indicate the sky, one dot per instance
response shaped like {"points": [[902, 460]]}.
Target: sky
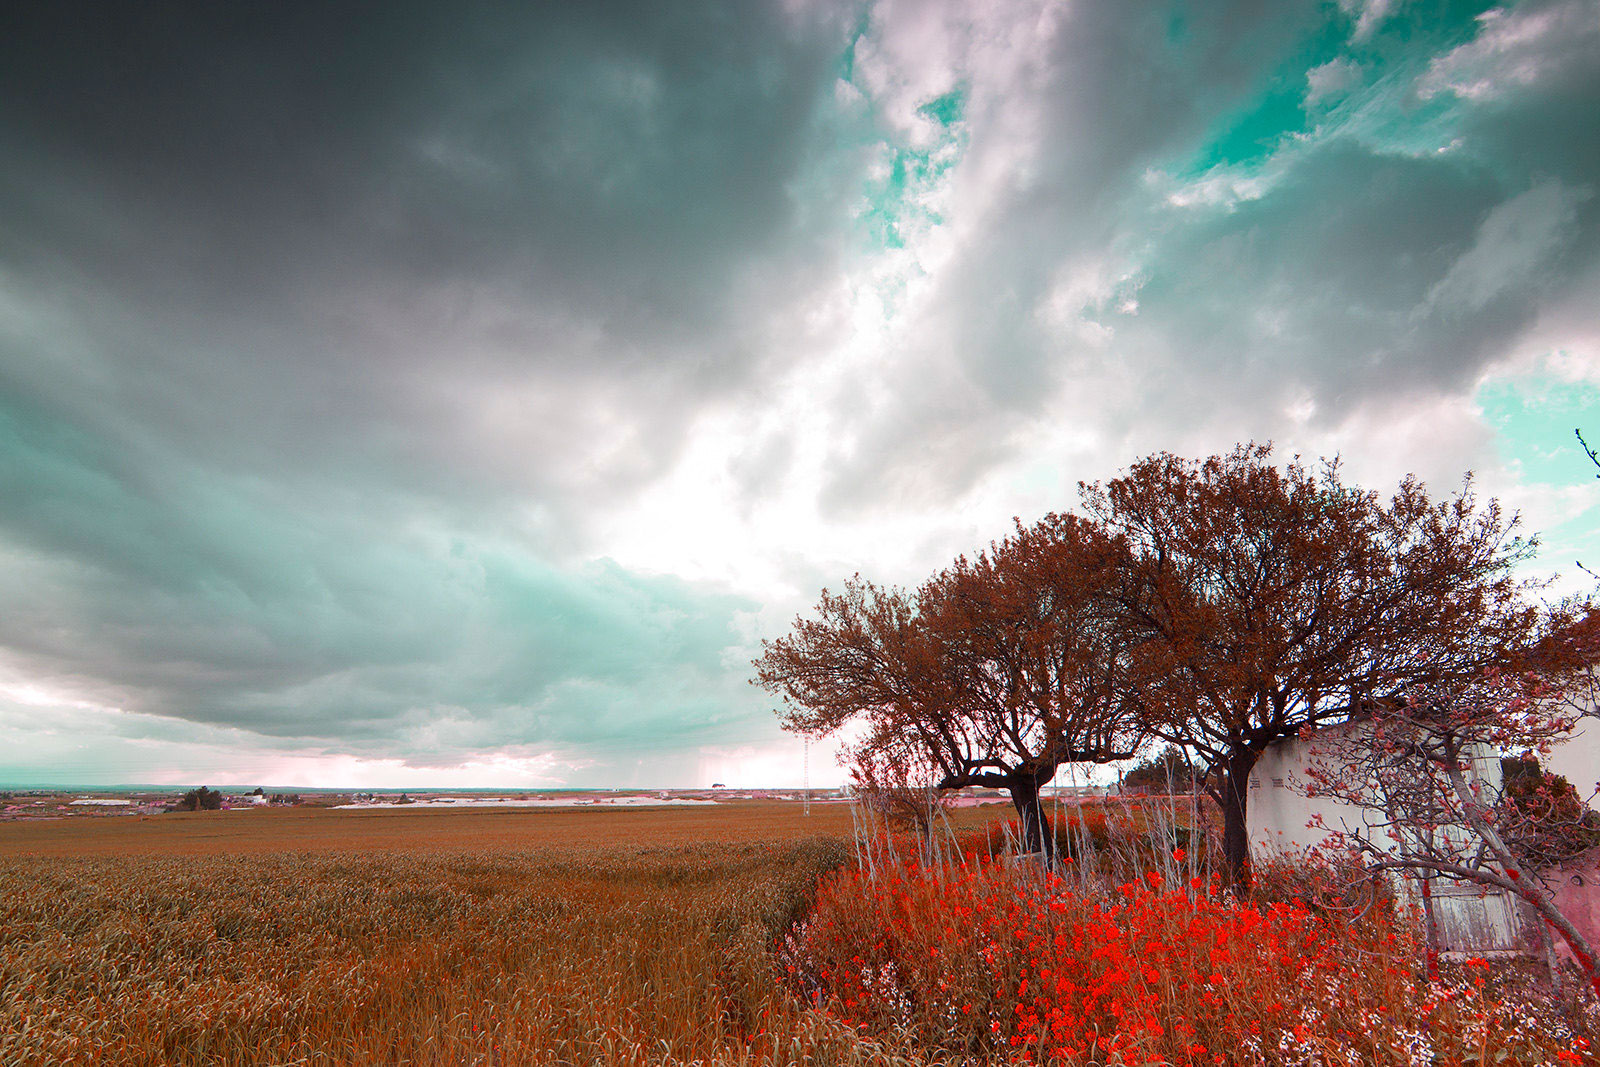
{"points": [[458, 394]]}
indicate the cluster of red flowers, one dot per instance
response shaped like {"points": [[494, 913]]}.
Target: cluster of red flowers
{"points": [[1004, 965]]}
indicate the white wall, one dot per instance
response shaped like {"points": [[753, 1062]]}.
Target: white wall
{"points": [[1467, 917], [1279, 812], [1577, 759]]}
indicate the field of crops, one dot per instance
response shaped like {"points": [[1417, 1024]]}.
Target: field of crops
{"points": [[381, 938], [709, 936]]}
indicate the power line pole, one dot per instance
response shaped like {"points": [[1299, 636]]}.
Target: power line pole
{"points": [[806, 742]]}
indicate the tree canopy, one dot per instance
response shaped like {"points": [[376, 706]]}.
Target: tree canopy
{"points": [[1275, 599], [994, 672], [1218, 605]]}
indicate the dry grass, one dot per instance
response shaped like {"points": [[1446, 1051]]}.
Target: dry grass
{"points": [[667, 936], [633, 956], [321, 937]]}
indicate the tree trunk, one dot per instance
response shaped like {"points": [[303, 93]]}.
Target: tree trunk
{"points": [[1233, 795], [1430, 929], [1473, 810], [1030, 815], [1547, 943]]}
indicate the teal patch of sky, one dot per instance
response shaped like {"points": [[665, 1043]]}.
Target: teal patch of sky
{"points": [[847, 59], [946, 110], [1274, 111], [1533, 417], [893, 210]]}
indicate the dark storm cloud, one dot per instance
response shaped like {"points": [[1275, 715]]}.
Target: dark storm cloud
{"points": [[372, 217], [274, 146], [338, 343], [324, 328], [1369, 270], [161, 587]]}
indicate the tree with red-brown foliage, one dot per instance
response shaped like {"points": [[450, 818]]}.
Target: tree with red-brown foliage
{"points": [[1273, 599], [995, 672]]}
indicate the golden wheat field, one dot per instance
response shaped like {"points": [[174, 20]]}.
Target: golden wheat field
{"points": [[387, 937]]}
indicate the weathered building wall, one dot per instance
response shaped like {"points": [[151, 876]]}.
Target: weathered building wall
{"points": [[1280, 815], [1283, 821], [1575, 886], [1577, 759]]}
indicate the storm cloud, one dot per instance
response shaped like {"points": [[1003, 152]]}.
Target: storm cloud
{"points": [[427, 384]]}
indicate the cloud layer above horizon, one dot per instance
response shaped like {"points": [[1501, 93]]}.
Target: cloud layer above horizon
{"points": [[396, 394]]}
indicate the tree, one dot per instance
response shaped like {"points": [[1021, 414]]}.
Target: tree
{"points": [[1163, 773], [1415, 769], [1540, 815], [1594, 458], [201, 799], [899, 787], [1275, 599], [995, 672]]}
